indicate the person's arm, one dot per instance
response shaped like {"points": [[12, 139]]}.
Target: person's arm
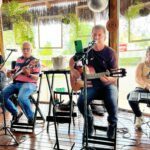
{"points": [[10, 73], [114, 65], [75, 76], [34, 76], [73, 72], [3, 69], [140, 79], [32, 73]]}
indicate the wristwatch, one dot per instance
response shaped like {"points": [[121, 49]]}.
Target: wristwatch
{"points": [[29, 76]]}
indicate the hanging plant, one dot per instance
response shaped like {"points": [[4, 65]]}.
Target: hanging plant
{"points": [[138, 9], [13, 14], [133, 11], [73, 20]]}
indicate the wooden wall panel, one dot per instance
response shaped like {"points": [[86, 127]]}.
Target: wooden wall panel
{"points": [[1, 34]]}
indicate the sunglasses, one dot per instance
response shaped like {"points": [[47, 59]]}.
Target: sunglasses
{"points": [[26, 49]]}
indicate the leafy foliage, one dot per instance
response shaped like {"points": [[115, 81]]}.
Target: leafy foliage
{"points": [[14, 12], [133, 10], [77, 29]]}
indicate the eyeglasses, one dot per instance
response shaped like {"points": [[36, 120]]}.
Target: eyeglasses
{"points": [[26, 49]]}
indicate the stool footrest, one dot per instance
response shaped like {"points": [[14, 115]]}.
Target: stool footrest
{"points": [[39, 118], [59, 119], [101, 138], [100, 128], [60, 113], [98, 148], [101, 142], [22, 126]]}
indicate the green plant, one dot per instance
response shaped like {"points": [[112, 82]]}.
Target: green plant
{"points": [[46, 52], [133, 11], [73, 20], [14, 12]]}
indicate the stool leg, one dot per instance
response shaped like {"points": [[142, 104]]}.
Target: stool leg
{"points": [[38, 109]]}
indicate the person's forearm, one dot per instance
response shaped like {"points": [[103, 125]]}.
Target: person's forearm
{"points": [[141, 81], [34, 76], [112, 80], [71, 64]]}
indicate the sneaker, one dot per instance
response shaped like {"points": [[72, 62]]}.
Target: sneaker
{"points": [[31, 121], [65, 106], [97, 110], [16, 118], [139, 121], [111, 131]]}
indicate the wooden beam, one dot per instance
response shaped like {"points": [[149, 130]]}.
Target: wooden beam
{"points": [[113, 24], [1, 34]]}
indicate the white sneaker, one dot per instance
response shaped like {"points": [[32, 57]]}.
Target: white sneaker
{"points": [[139, 121]]}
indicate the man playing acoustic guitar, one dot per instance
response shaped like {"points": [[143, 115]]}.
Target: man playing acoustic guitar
{"points": [[24, 84], [101, 58]]}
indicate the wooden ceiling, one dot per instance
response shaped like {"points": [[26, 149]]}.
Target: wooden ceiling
{"points": [[41, 1], [124, 4]]}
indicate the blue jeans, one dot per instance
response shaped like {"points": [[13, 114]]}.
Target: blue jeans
{"points": [[24, 90], [107, 93]]}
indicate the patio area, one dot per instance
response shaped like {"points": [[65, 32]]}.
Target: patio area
{"points": [[127, 136]]}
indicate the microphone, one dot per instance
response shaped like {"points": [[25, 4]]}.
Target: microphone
{"points": [[92, 42], [13, 50]]}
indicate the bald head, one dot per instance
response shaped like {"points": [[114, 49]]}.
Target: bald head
{"points": [[26, 49], [26, 43]]}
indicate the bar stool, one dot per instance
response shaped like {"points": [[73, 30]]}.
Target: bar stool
{"points": [[26, 126], [101, 142], [144, 98]]}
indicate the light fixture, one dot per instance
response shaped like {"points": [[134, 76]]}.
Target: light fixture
{"points": [[97, 5]]}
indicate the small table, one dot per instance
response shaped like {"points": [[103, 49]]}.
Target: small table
{"points": [[50, 86]]}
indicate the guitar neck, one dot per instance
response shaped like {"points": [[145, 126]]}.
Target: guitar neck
{"points": [[96, 75], [19, 72], [16, 74]]}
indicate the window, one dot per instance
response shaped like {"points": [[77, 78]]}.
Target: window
{"points": [[50, 32]]}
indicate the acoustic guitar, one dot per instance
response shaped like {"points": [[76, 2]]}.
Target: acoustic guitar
{"points": [[32, 64], [78, 83]]}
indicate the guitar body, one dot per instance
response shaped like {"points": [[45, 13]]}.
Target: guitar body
{"points": [[76, 82]]}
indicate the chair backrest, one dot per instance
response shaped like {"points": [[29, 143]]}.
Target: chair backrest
{"points": [[39, 82], [13, 63]]}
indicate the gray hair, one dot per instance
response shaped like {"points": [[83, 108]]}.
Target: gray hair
{"points": [[98, 27]]}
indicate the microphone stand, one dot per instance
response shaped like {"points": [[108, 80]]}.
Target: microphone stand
{"points": [[7, 129], [84, 60], [5, 60]]}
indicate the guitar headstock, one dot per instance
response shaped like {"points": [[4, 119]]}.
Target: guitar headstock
{"points": [[121, 72]]}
